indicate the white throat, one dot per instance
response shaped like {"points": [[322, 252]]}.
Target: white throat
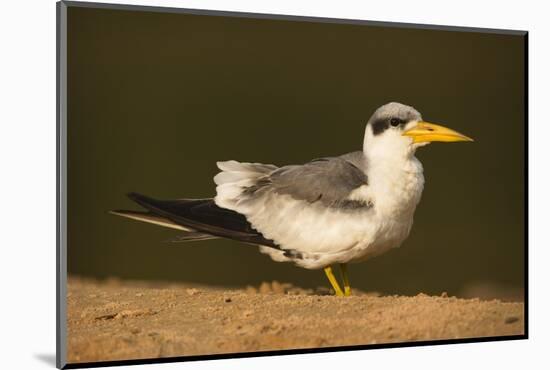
{"points": [[395, 175]]}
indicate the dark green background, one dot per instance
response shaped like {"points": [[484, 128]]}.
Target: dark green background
{"points": [[155, 99]]}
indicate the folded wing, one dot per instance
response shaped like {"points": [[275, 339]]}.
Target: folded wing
{"points": [[308, 208]]}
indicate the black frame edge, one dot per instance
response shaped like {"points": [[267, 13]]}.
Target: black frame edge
{"points": [[225, 13], [526, 185], [290, 352]]}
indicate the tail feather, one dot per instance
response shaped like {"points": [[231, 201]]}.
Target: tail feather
{"points": [[191, 236], [200, 218], [149, 217]]}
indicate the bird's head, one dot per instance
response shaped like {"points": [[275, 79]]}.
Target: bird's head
{"points": [[397, 129]]}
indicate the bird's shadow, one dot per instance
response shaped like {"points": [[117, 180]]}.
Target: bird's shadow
{"points": [[47, 358]]}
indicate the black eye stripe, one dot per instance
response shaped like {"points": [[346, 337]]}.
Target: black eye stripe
{"points": [[379, 126], [382, 124]]}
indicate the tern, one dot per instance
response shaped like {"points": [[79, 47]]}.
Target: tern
{"points": [[329, 211]]}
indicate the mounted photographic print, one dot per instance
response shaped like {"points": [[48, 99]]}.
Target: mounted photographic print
{"points": [[234, 184]]}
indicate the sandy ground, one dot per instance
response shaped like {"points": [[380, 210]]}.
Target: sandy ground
{"points": [[117, 320]]}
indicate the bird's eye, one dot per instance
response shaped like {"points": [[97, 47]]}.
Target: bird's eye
{"points": [[395, 122]]}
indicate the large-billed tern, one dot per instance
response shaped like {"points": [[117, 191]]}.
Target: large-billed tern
{"points": [[328, 211]]}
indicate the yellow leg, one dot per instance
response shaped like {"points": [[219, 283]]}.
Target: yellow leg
{"points": [[347, 286], [333, 282]]}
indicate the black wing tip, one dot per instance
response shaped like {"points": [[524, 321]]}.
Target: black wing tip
{"points": [[136, 197], [142, 200]]}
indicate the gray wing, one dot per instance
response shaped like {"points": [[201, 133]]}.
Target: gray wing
{"points": [[326, 180], [287, 205]]}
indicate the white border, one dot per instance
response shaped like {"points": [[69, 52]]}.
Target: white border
{"points": [[27, 155]]}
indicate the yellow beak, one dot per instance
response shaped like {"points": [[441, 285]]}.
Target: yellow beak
{"points": [[427, 132]]}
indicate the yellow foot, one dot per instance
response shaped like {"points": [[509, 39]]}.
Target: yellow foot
{"points": [[347, 286], [333, 282]]}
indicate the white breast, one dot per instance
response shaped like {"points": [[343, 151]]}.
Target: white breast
{"points": [[395, 192]]}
